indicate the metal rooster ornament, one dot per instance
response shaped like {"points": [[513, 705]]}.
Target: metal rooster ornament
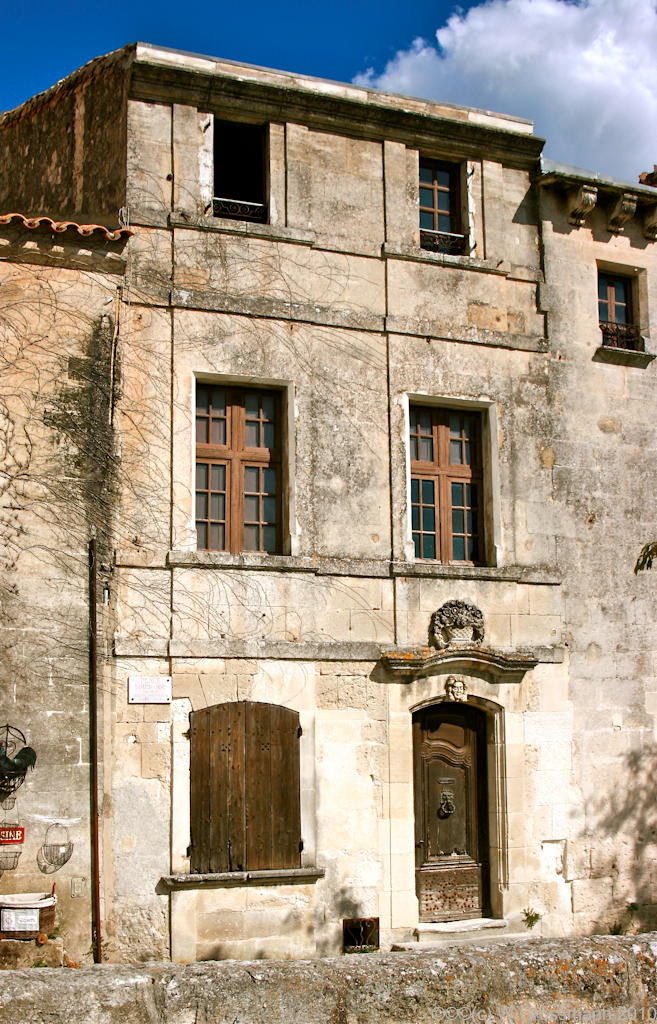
{"points": [[13, 767]]}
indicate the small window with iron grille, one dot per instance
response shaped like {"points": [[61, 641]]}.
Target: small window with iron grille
{"points": [[446, 484], [238, 469], [441, 217], [617, 312], [239, 171]]}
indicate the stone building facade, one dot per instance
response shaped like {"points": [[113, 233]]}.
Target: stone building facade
{"points": [[330, 437]]}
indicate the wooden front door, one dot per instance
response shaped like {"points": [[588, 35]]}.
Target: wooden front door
{"points": [[451, 813]]}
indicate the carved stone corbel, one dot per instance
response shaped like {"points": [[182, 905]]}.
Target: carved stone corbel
{"points": [[624, 209], [580, 203], [650, 223]]}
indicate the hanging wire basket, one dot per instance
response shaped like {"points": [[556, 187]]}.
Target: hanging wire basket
{"points": [[8, 803], [57, 847], [15, 758], [9, 859]]}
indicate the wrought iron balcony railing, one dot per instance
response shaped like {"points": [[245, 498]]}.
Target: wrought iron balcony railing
{"points": [[444, 241], [626, 336], [239, 209]]}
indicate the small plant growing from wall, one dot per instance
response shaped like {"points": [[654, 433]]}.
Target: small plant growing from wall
{"points": [[627, 923], [530, 917]]}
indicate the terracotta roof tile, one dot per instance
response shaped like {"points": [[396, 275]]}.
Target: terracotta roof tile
{"points": [[60, 226]]}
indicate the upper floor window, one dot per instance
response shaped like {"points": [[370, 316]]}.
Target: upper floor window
{"points": [[446, 484], [617, 312], [441, 217], [238, 469], [239, 171]]}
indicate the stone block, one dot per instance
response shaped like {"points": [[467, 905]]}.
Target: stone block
{"points": [[545, 600], [15, 954], [157, 713], [498, 630], [404, 912], [527, 630], [183, 926], [402, 871], [155, 761], [553, 754], [210, 901], [220, 926], [548, 727], [592, 898]]}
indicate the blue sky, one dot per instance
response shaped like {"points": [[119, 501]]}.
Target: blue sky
{"points": [[585, 71], [50, 38]]}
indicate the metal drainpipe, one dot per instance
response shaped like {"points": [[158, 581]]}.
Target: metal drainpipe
{"points": [[93, 749]]}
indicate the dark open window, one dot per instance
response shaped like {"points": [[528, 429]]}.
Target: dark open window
{"points": [[239, 171], [441, 219], [446, 484], [238, 469], [617, 312], [245, 802]]}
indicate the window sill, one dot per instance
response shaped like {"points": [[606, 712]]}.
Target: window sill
{"points": [[510, 573], [223, 879], [415, 253], [278, 563], [371, 568], [228, 226], [622, 356]]}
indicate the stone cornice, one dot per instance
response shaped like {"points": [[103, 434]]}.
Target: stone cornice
{"points": [[582, 193], [503, 667], [365, 117]]}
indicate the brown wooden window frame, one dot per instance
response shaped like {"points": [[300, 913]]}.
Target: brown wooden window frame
{"points": [[440, 183], [618, 319], [227, 492], [437, 482]]}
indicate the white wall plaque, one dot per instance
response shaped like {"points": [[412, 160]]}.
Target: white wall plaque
{"points": [[149, 689], [19, 920]]}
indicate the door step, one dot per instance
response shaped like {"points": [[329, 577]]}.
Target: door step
{"points": [[476, 930]]}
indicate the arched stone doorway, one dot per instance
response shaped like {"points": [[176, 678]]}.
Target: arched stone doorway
{"points": [[452, 868]]}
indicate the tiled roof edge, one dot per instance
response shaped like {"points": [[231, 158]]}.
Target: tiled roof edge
{"points": [[59, 226]]}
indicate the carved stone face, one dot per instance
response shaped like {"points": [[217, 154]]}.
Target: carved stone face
{"points": [[455, 688]]}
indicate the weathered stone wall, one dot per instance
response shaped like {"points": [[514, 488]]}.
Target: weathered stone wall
{"points": [[63, 154], [601, 463], [57, 488], [604, 979]]}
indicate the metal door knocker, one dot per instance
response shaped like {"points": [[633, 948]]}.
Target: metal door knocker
{"points": [[447, 805]]}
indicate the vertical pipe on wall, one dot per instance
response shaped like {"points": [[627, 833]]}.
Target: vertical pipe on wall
{"points": [[93, 749]]}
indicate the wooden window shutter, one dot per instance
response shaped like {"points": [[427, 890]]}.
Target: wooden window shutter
{"points": [[245, 809]]}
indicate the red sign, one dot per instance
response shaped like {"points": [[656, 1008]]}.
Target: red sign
{"points": [[11, 834]]}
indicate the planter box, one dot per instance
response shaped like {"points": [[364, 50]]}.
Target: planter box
{"points": [[26, 915]]}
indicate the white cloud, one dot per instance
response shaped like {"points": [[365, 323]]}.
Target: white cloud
{"points": [[585, 71]]}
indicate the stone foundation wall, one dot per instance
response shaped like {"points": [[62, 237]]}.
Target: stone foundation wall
{"points": [[610, 979]]}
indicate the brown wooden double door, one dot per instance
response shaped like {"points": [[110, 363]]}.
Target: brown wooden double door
{"points": [[451, 812]]}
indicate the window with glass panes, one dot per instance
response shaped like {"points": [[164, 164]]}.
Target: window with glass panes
{"points": [[238, 469], [440, 207], [616, 313], [614, 299], [446, 484]]}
